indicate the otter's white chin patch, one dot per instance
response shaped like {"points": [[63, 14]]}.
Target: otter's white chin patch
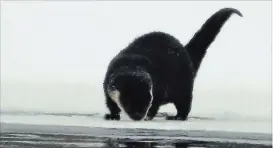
{"points": [[114, 95], [150, 104]]}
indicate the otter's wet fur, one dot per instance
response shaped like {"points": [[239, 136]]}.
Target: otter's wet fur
{"points": [[156, 69]]}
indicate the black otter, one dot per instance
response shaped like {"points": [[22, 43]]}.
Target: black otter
{"points": [[156, 69]]}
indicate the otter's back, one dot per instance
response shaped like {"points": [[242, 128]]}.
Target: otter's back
{"points": [[159, 53]]}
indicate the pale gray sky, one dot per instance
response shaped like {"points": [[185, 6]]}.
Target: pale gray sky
{"points": [[73, 41]]}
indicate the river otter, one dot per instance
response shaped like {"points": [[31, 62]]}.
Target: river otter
{"points": [[156, 69]]}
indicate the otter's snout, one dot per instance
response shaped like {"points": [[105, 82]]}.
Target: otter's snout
{"points": [[137, 115]]}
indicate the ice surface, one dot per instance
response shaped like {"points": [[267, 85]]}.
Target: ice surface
{"points": [[96, 120]]}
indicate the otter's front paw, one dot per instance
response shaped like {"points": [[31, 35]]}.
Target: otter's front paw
{"points": [[176, 118], [112, 117]]}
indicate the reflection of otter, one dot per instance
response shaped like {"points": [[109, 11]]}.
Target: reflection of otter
{"points": [[156, 69], [156, 143], [176, 143]]}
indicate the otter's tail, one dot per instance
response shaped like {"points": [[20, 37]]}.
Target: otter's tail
{"points": [[202, 39]]}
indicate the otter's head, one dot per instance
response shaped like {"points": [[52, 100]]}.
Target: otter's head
{"points": [[133, 94]]}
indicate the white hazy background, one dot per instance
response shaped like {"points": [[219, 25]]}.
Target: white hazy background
{"points": [[54, 54]]}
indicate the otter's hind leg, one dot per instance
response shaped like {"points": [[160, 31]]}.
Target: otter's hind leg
{"points": [[182, 100], [183, 107], [113, 108]]}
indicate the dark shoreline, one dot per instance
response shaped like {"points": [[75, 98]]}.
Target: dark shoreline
{"points": [[27, 140], [53, 136]]}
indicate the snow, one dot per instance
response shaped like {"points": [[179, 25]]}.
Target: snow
{"points": [[54, 57], [194, 123]]}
